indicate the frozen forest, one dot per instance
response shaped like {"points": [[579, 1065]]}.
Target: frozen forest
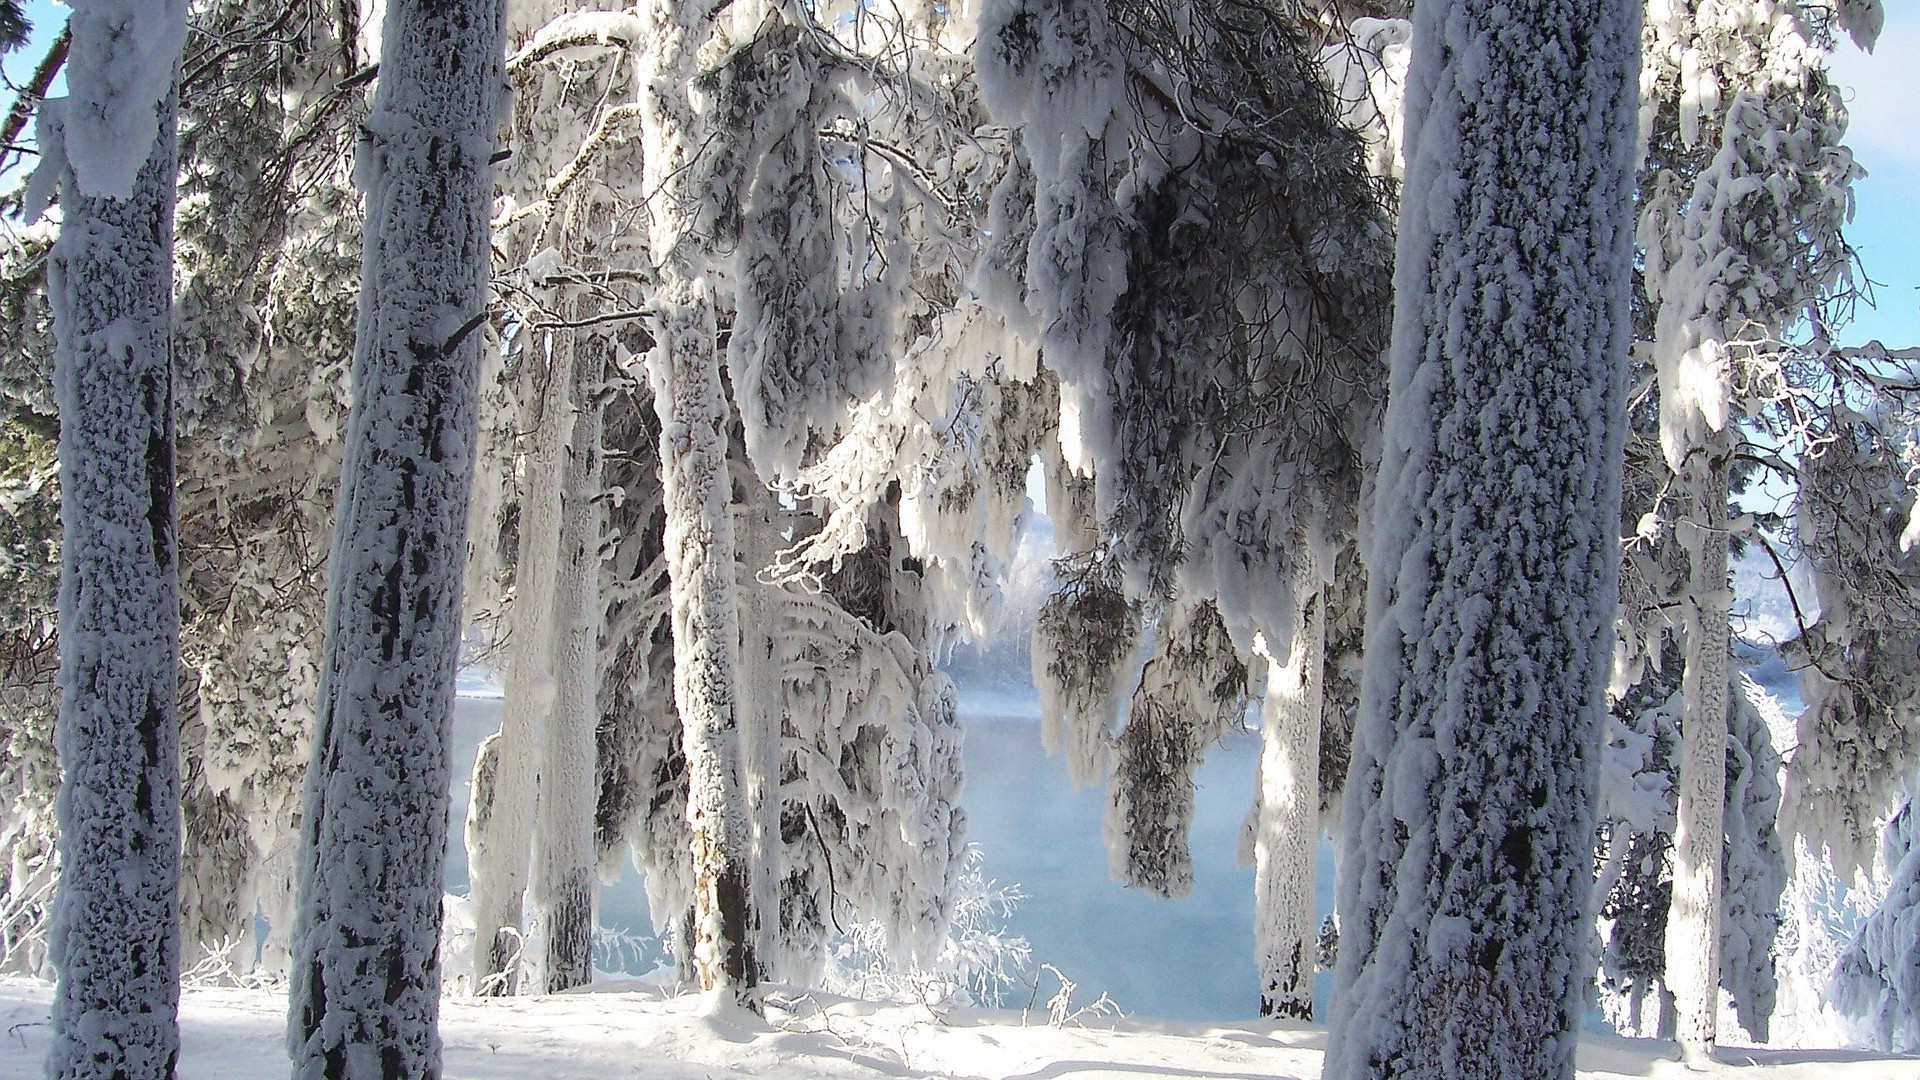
{"points": [[1420, 390]]}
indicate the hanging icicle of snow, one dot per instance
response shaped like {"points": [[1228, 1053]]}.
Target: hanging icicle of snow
{"points": [[1055, 73]]}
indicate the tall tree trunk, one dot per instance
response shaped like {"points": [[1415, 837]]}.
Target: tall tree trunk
{"points": [[1284, 928], [761, 703], [691, 401], [116, 929], [364, 1000], [563, 851], [1693, 919], [1494, 557], [500, 818]]}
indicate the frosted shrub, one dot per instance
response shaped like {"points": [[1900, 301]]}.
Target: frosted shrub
{"points": [[978, 963]]}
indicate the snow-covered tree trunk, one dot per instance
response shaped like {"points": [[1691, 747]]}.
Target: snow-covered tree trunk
{"points": [[1493, 560], [691, 401], [364, 999], [1693, 919], [500, 819], [761, 703], [116, 934], [563, 852], [1284, 927]]}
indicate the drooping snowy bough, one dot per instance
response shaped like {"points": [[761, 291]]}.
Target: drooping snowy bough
{"points": [[1188, 231], [110, 147], [365, 993], [1493, 557]]}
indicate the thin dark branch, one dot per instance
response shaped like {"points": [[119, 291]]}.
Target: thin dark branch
{"points": [[34, 92]]}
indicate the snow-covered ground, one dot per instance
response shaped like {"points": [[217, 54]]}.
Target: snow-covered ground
{"points": [[236, 1035]]}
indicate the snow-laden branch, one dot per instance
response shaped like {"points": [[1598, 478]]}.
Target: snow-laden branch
{"points": [[591, 147], [579, 30]]}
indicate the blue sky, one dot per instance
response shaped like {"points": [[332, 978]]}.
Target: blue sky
{"points": [[1884, 96], [1883, 91]]}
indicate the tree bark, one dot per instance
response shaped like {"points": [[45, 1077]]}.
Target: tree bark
{"points": [[364, 998], [690, 399], [500, 819], [1693, 918], [116, 925], [1494, 557], [563, 852], [1285, 931]]}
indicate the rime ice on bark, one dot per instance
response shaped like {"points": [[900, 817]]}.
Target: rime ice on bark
{"points": [[690, 399], [1287, 812], [500, 818], [563, 880], [1493, 559], [365, 989], [115, 939]]}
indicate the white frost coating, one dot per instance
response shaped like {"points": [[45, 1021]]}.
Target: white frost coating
{"points": [[1055, 73], [1746, 80], [690, 401], [1493, 556], [364, 996], [120, 66], [115, 940], [1287, 810], [580, 29], [1877, 982]]}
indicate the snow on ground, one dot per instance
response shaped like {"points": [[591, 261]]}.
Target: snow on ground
{"points": [[624, 1031]]}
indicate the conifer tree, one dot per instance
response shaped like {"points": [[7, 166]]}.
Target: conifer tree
{"points": [[365, 994], [109, 145], [1493, 557]]}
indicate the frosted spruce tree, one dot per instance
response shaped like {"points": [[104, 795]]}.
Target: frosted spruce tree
{"points": [[268, 253], [266, 262], [1469, 802], [109, 146], [1746, 190], [365, 992], [690, 400], [569, 287]]}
